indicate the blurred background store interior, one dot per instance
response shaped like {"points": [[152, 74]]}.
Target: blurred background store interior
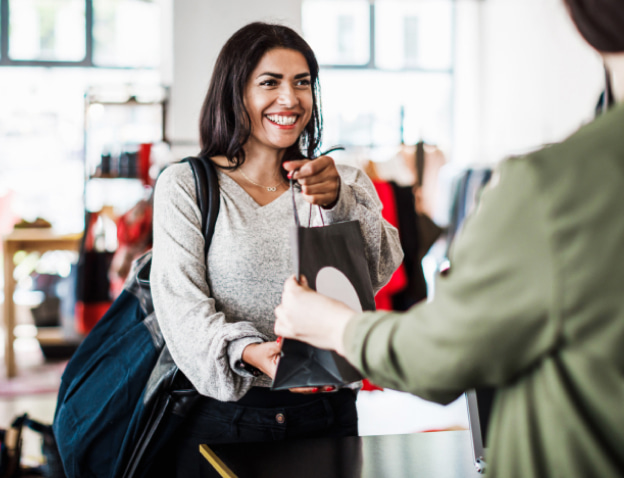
{"points": [[85, 83]]}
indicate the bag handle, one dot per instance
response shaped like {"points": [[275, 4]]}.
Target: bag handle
{"points": [[294, 184], [292, 189]]}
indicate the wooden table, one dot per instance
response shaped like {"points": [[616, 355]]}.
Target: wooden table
{"points": [[30, 240]]}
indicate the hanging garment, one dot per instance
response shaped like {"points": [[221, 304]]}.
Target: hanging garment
{"points": [[415, 289], [398, 281]]}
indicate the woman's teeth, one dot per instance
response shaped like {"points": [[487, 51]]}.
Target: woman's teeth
{"points": [[283, 120]]}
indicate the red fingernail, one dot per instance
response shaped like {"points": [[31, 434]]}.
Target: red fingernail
{"points": [[315, 389], [330, 389], [279, 339], [289, 175]]}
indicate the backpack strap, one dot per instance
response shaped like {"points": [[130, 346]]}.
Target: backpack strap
{"points": [[168, 390], [207, 192]]}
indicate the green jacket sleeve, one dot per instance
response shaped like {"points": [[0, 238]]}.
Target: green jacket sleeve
{"points": [[491, 315]]}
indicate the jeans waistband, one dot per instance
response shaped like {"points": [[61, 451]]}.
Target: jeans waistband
{"points": [[264, 397]]}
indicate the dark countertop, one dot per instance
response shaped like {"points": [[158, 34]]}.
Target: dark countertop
{"points": [[435, 454]]}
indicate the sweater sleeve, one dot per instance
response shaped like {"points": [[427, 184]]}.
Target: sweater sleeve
{"points": [[358, 200], [491, 317], [199, 337]]}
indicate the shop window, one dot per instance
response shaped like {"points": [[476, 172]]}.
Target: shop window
{"points": [[338, 31], [386, 71], [411, 42], [105, 33], [126, 33], [47, 30], [414, 35]]}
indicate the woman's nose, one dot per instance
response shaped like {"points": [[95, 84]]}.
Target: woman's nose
{"points": [[288, 96]]}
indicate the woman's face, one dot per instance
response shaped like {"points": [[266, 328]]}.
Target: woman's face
{"points": [[278, 98]]}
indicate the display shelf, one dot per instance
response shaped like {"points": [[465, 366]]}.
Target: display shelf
{"points": [[120, 127]]}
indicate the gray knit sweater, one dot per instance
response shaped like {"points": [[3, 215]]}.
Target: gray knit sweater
{"points": [[208, 324]]}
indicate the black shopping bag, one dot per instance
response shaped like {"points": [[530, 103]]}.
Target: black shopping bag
{"points": [[333, 261]]}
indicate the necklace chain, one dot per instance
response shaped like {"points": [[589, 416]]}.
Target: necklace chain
{"points": [[268, 188]]}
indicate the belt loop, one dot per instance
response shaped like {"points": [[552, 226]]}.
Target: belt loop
{"points": [[329, 412], [238, 413]]}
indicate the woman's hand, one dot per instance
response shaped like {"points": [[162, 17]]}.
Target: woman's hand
{"points": [[264, 356], [319, 179], [310, 317]]}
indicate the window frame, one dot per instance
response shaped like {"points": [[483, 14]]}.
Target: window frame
{"points": [[371, 65], [87, 61]]}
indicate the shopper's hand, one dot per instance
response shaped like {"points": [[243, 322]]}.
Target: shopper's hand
{"points": [[264, 356], [319, 179], [310, 317]]}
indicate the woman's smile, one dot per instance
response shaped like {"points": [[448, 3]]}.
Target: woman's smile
{"points": [[283, 120]]}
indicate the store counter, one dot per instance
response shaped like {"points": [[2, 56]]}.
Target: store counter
{"points": [[435, 454]]}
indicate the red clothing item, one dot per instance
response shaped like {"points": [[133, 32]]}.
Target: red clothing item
{"points": [[398, 281]]}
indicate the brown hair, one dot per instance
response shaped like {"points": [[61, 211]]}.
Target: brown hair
{"points": [[600, 22], [225, 125]]}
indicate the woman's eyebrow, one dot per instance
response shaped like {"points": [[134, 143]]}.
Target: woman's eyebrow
{"points": [[274, 75], [279, 76]]}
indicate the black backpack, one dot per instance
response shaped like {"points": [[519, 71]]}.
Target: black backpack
{"points": [[121, 395]]}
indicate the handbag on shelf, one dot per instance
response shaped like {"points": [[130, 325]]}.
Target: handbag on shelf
{"points": [[333, 260], [122, 396]]}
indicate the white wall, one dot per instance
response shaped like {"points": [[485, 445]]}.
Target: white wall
{"points": [[200, 28], [534, 78]]}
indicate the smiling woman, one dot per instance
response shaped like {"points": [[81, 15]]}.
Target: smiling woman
{"points": [[260, 123]]}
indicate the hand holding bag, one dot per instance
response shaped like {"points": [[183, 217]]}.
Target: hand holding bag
{"points": [[333, 260]]}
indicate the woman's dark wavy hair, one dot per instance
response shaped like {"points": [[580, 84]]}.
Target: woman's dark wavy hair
{"points": [[225, 124], [600, 22]]}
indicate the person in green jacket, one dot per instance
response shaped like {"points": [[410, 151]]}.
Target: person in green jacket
{"points": [[533, 303]]}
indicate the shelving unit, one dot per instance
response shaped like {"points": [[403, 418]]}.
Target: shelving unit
{"points": [[121, 125], [117, 123]]}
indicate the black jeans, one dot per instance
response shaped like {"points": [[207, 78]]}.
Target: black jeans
{"points": [[302, 416]]}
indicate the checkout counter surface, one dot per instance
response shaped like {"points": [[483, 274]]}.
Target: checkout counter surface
{"points": [[442, 454]]}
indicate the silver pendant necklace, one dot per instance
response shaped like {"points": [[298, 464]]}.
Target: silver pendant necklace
{"points": [[268, 188]]}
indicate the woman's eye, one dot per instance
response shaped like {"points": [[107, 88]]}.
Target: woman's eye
{"points": [[303, 83], [268, 83]]}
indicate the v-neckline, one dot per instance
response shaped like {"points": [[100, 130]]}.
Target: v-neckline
{"points": [[248, 196]]}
